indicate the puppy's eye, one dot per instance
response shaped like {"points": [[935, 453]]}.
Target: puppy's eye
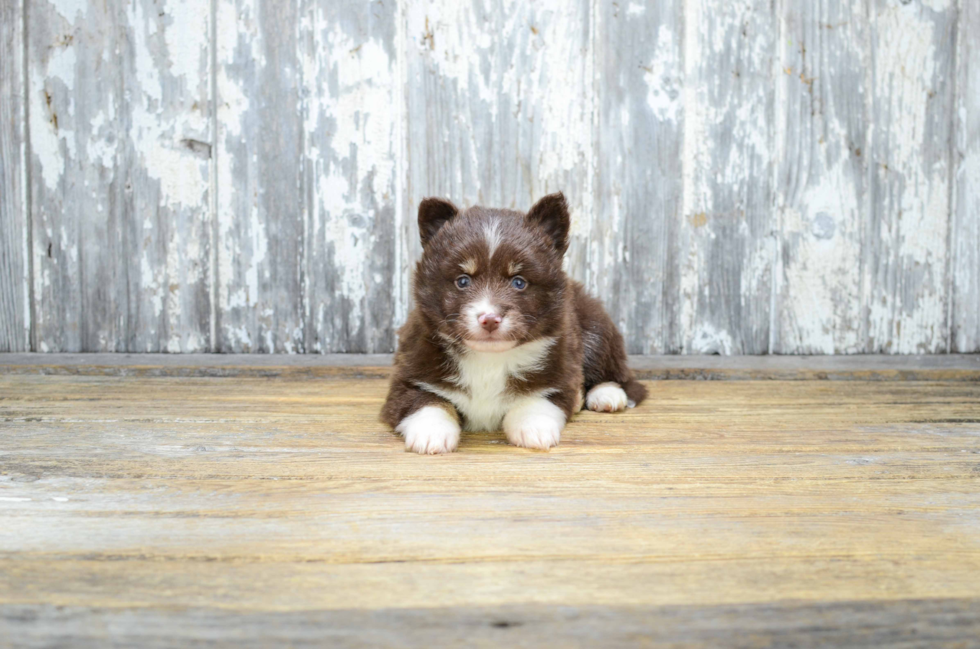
{"points": [[463, 281], [519, 283]]}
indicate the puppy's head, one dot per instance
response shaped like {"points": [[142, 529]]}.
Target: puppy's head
{"points": [[489, 279]]}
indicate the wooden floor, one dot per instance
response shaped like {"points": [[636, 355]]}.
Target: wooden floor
{"points": [[243, 511]]}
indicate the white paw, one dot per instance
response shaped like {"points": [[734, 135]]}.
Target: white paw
{"points": [[535, 423], [430, 430], [606, 397]]}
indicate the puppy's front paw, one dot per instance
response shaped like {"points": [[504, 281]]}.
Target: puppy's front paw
{"points": [[537, 423], [430, 430], [606, 397]]}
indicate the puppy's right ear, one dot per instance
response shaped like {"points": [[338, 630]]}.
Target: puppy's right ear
{"points": [[433, 214]]}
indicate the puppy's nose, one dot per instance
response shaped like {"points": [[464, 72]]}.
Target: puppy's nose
{"points": [[489, 321]]}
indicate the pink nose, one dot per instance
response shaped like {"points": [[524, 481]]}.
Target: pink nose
{"points": [[489, 321]]}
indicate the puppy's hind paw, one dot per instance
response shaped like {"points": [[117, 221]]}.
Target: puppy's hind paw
{"points": [[430, 431], [606, 397]]}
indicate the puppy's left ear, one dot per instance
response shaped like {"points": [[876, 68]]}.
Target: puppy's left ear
{"points": [[551, 215]]}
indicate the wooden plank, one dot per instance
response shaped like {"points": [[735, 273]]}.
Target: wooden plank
{"points": [[907, 623], [965, 276], [821, 189], [120, 132], [906, 244], [947, 367], [351, 94], [15, 314], [725, 244], [633, 261], [260, 225], [499, 112], [800, 511]]}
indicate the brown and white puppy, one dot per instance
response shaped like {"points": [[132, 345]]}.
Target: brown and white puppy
{"points": [[500, 336]]}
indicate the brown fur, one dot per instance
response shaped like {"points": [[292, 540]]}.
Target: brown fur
{"points": [[588, 350]]}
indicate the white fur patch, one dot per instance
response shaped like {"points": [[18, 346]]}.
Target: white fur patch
{"points": [[430, 430], [534, 423], [476, 308], [606, 397], [484, 375], [491, 231]]}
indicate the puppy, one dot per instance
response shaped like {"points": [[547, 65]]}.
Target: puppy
{"points": [[500, 336]]}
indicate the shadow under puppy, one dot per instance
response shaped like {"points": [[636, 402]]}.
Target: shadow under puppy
{"points": [[500, 336]]}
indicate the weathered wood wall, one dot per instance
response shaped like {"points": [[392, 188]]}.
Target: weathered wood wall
{"points": [[746, 176]]}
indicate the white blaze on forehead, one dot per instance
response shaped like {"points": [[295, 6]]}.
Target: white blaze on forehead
{"points": [[491, 232]]}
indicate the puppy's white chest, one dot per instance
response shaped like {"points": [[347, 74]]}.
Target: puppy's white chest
{"points": [[483, 398]]}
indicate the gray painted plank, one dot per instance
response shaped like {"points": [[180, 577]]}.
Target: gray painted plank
{"points": [[351, 94], [821, 184], [15, 318], [638, 196], [260, 226], [119, 123], [910, 624], [906, 243], [499, 112], [725, 241], [965, 276]]}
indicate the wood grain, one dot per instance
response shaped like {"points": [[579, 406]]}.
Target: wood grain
{"points": [[634, 261], [965, 275], [945, 367], [908, 222], [791, 509], [351, 109], [907, 623], [119, 105], [242, 176], [15, 315], [726, 244], [822, 192], [260, 217]]}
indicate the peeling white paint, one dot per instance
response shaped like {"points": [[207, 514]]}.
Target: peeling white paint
{"points": [[663, 77], [69, 9], [706, 339], [914, 190], [517, 91]]}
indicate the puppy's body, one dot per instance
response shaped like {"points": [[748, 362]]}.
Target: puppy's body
{"points": [[500, 337]]}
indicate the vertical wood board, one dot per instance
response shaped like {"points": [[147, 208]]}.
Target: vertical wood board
{"points": [[260, 226], [638, 197], [907, 225], [726, 241], [350, 81], [15, 308], [119, 123], [965, 273], [821, 153]]}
